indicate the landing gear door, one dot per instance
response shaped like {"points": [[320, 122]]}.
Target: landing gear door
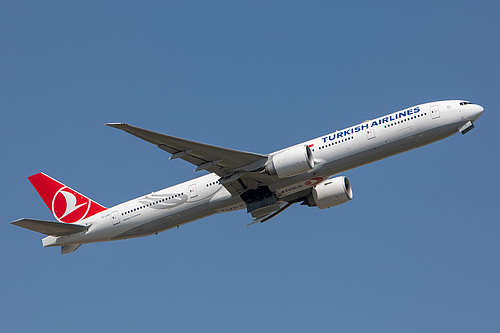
{"points": [[435, 112]]}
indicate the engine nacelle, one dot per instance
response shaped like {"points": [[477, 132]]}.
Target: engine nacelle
{"points": [[330, 193], [291, 162]]}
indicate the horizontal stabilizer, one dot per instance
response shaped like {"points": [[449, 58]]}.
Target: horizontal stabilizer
{"points": [[50, 228]]}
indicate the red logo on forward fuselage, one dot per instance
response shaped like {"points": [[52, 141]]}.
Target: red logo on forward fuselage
{"points": [[69, 206], [314, 181]]}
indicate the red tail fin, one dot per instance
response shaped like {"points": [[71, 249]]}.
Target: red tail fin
{"points": [[66, 204]]}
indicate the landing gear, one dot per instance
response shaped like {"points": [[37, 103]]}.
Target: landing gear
{"points": [[260, 201], [466, 128], [257, 194]]}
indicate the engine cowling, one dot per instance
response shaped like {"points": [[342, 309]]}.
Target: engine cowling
{"points": [[291, 162], [330, 193]]}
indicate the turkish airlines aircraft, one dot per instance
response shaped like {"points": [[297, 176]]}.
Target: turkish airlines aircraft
{"points": [[264, 184]]}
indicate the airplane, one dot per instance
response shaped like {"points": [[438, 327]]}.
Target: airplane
{"points": [[264, 184]]}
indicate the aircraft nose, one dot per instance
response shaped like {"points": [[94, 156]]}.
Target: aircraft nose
{"points": [[477, 112]]}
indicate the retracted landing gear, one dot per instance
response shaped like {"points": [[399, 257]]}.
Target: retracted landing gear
{"points": [[260, 201]]}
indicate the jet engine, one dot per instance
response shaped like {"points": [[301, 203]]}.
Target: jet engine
{"points": [[330, 193], [290, 162]]}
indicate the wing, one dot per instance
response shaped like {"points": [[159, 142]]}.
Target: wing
{"points": [[222, 161], [239, 170]]}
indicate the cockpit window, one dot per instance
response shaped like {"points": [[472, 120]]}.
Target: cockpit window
{"points": [[465, 103]]}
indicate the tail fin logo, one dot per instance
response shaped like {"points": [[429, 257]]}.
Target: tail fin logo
{"points": [[69, 206], [66, 204]]}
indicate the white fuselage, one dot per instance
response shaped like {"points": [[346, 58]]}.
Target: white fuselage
{"points": [[333, 153]]}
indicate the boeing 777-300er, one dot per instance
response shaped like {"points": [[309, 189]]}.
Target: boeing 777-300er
{"points": [[264, 184]]}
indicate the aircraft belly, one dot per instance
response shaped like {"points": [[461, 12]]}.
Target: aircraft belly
{"points": [[187, 213], [143, 230]]}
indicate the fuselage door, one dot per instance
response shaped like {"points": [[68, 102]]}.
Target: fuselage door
{"points": [[370, 133], [435, 112], [114, 217], [193, 193]]}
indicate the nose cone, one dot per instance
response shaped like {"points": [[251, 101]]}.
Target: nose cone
{"points": [[477, 111]]}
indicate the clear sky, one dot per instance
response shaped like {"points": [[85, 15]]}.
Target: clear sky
{"points": [[416, 250]]}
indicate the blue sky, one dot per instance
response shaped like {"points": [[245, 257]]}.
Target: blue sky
{"points": [[416, 249]]}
